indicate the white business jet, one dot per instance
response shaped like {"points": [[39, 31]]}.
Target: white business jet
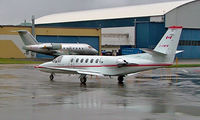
{"points": [[162, 55], [55, 49]]}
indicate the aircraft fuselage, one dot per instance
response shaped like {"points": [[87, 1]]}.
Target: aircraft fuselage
{"points": [[105, 65], [62, 49]]}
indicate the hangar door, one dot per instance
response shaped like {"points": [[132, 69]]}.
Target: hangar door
{"points": [[118, 36], [93, 41]]}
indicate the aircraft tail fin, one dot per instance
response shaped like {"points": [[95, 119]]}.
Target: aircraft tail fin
{"points": [[27, 38], [169, 43]]}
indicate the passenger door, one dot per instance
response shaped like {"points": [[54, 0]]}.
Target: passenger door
{"points": [[72, 62]]}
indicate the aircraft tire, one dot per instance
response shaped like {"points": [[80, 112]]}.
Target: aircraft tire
{"points": [[51, 77], [83, 79], [120, 79]]}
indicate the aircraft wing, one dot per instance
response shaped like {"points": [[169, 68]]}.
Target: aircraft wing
{"points": [[89, 72], [78, 71]]}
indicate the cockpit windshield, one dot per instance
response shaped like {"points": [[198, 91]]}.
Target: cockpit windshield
{"points": [[89, 47], [58, 59]]}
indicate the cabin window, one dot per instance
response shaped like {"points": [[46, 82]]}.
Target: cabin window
{"points": [[82, 60], [86, 60], [91, 61], [77, 60], [72, 60], [97, 60]]}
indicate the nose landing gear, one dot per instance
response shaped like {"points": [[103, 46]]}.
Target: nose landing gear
{"points": [[51, 77]]}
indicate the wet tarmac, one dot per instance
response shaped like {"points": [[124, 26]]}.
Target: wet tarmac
{"points": [[160, 94]]}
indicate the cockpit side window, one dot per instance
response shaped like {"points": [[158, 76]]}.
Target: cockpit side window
{"points": [[58, 59]]}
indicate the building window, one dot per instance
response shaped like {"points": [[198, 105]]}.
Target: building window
{"points": [[189, 43]]}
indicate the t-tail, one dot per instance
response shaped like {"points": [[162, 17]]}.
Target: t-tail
{"points": [[168, 44], [27, 38]]}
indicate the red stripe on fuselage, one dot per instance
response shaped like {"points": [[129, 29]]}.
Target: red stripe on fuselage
{"points": [[141, 65]]}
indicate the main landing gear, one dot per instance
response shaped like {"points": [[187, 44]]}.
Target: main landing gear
{"points": [[120, 79], [83, 79], [51, 77]]}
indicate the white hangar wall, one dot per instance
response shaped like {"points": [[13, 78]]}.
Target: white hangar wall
{"points": [[187, 15]]}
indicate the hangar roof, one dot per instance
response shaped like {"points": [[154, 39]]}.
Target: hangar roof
{"points": [[146, 10]]}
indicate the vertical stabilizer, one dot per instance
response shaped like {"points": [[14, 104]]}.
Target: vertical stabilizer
{"points": [[27, 38], [169, 42]]}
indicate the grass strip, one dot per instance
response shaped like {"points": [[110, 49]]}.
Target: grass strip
{"points": [[18, 61]]}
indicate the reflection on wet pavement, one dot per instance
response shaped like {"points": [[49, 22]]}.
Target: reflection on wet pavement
{"points": [[160, 94]]}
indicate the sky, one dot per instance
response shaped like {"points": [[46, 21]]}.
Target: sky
{"points": [[14, 12]]}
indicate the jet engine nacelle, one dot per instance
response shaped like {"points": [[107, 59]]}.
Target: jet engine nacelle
{"points": [[56, 46], [52, 46], [121, 62]]}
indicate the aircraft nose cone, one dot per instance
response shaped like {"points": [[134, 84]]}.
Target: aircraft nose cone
{"points": [[95, 51], [43, 65], [38, 66]]}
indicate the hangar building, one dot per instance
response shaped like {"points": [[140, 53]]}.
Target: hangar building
{"points": [[140, 26]]}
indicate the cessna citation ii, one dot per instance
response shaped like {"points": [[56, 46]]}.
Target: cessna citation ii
{"points": [[55, 49], [162, 55]]}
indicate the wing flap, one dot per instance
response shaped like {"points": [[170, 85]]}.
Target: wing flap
{"points": [[89, 73]]}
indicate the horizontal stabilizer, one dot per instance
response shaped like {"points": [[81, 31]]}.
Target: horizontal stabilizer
{"points": [[152, 52], [179, 51]]}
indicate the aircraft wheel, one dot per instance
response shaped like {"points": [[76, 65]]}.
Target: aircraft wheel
{"points": [[83, 80], [51, 77], [120, 79]]}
